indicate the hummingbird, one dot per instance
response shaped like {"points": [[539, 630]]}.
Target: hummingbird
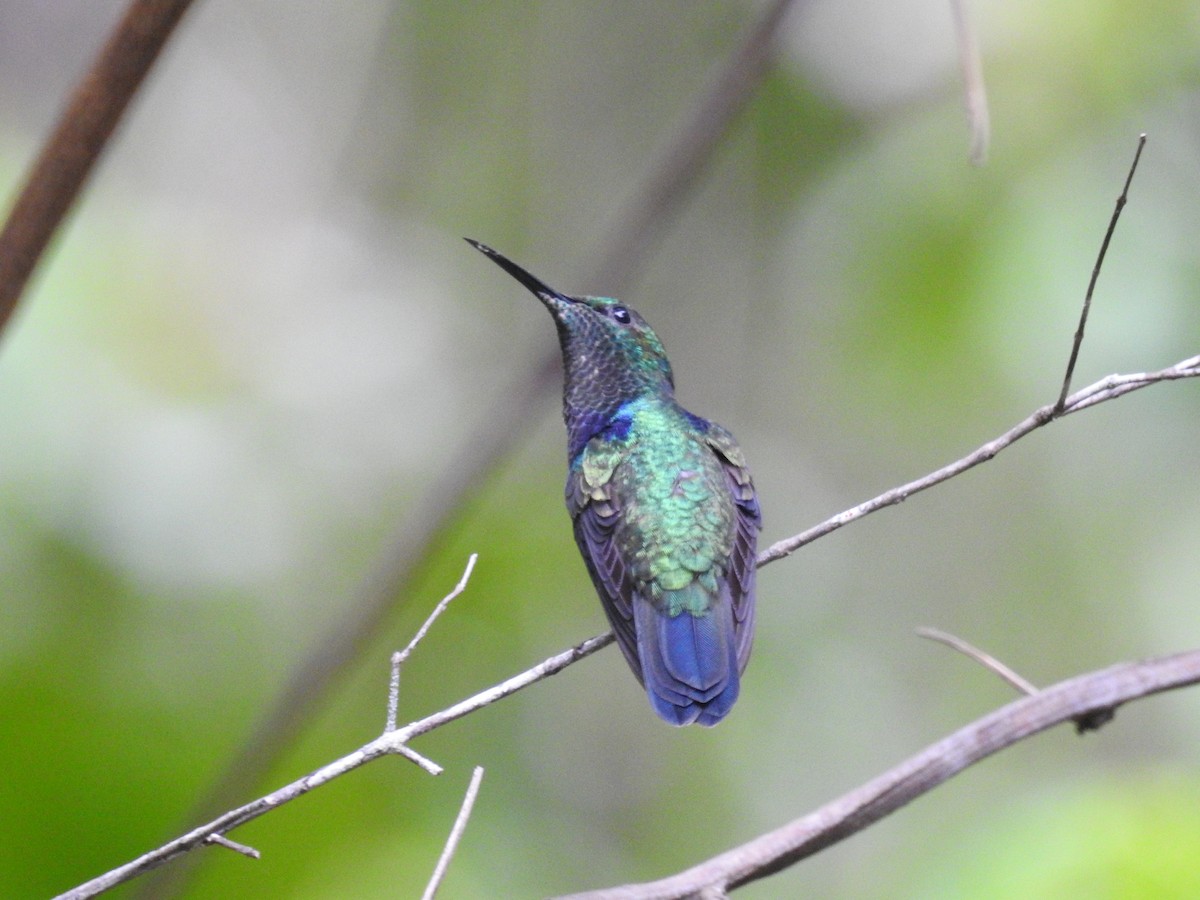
{"points": [[664, 509]]}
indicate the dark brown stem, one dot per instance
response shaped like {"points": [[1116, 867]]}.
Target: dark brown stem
{"points": [[1087, 299], [684, 157], [83, 131]]}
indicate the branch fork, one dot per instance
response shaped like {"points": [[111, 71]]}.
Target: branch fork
{"points": [[393, 742]]}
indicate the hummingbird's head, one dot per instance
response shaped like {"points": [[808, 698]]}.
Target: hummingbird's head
{"points": [[610, 354]]}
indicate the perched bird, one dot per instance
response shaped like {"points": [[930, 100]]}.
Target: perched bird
{"points": [[664, 508]]}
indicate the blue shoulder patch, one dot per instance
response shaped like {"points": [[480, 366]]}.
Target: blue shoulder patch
{"points": [[618, 428], [583, 429], [594, 425]]}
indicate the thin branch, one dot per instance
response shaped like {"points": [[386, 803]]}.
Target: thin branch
{"points": [[984, 659], [389, 743], [417, 759], [1109, 388], [974, 89], [1091, 721], [399, 657], [456, 833], [393, 704], [440, 608], [776, 850], [1087, 299], [656, 197], [542, 670], [197, 837], [393, 741], [219, 840], [396, 741], [84, 129]]}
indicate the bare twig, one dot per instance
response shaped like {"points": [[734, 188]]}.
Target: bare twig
{"points": [[391, 742], [83, 131], [984, 659], [1090, 721], [416, 758], [400, 656], [440, 608], [219, 840], [396, 741], [456, 833], [863, 806], [1105, 389], [542, 670], [1087, 299], [393, 705], [381, 746], [974, 88]]}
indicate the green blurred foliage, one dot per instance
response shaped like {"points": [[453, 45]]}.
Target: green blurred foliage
{"points": [[260, 339], [1123, 834]]}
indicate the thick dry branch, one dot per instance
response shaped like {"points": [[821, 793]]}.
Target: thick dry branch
{"points": [[1076, 698], [83, 131]]}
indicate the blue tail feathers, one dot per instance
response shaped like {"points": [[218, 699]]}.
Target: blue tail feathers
{"points": [[689, 661]]}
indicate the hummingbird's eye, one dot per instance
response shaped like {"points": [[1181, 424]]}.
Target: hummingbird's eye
{"points": [[621, 314]]}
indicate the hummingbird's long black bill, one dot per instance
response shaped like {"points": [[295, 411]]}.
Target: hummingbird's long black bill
{"points": [[531, 282]]}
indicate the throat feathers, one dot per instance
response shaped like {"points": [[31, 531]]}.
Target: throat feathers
{"points": [[663, 506]]}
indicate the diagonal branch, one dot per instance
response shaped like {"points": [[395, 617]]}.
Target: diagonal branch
{"points": [[69, 155], [1109, 388], [392, 742], [989, 662], [1091, 288], [769, 853], [684, 157], [1089, 696], [456, 833], [400, 656]]}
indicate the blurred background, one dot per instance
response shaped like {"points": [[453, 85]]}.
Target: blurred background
{"points": [[260, 339]]}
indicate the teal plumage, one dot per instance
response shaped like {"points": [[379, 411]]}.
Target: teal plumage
{"points": [[663, 505]]}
